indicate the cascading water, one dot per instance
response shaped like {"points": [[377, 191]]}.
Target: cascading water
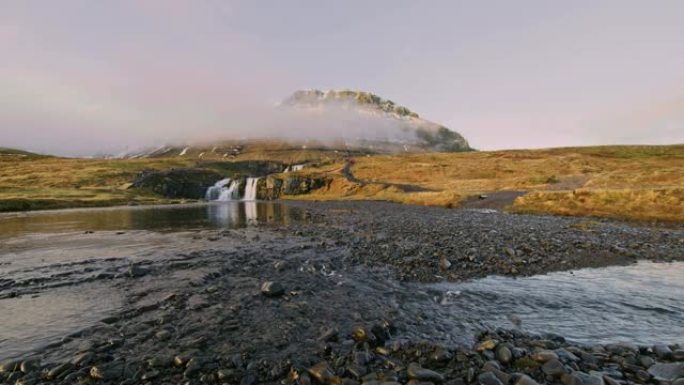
{"points": [[251, 189], [231, 193], [214, 191], [294, 167]]}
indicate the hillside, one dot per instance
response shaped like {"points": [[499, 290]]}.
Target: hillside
{"points": [[13, 152], [629, 182]]}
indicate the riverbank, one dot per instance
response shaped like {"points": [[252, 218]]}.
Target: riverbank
{"points": [[346, 304]]}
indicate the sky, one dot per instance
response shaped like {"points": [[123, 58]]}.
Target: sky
{"points": [[85, 77]]}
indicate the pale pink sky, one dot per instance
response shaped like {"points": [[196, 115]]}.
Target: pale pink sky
{"points": [[79, 77]]}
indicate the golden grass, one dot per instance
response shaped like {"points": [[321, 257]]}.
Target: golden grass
{"points": [[342, 189], [630, 182], [29, 183], [645, 205]]}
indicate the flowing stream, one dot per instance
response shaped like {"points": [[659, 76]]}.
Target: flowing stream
{"points": [[58, 262]]}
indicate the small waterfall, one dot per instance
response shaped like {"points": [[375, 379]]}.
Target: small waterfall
{"points": [[214, 191], [294, 167], [251, 189], [231, 193]]}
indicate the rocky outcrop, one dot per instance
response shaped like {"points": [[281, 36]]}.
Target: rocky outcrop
{"points": [[191, 183], [275, 186], [246, 168]]}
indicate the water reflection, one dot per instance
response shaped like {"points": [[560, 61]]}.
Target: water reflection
{"points": [[233, 214]]}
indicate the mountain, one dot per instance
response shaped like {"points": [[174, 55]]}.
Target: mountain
{"points": [[332, 120], [401, 125]]}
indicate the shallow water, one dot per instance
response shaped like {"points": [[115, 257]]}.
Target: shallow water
{"points": [[230, 214], [641, 303], [31, 322], [49, 259]]}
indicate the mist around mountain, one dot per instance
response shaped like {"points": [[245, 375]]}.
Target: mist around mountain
{"points": [[386, 120], [334, 120]]}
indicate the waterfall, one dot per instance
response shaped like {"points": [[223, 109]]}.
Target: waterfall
{"points": [[294, 167], [214, 191], [251, 189], [230, 193], [227, 190]]}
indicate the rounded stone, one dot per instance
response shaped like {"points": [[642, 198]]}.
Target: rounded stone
{"points": [[553, 368], [526, 380], [504, 354], [488, 378], [272, 289], [417, 373]]}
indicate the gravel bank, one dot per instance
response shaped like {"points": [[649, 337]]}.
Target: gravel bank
{"points": [[337, 298]]}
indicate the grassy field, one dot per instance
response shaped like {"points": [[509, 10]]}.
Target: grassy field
{"points": [[643, 183], [627, 182], [34, 182]]}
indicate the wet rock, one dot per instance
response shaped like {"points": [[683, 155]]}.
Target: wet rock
{"points": [[111, 371], [581, 378], [566, 356], [525, 380], [328, 335], [225, 375], [83, 359], [361, 334], [150, 375], [193, 367], [357, 371], [415, 372], [160, 361], [667, 371], [504, 355], [544, 356], [10, 366], [322, 373], [662, 351], [646, 361], [487, 345], [13, 377], [249, 379], [181, 359], [30, 379], [30, 365], [272, 289], [553, 368], [488, 378], [59, 371], [444, 263], [74, 377], [642, 376]]}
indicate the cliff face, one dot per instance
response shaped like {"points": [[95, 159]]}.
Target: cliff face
{"points": [[402, 126]]}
